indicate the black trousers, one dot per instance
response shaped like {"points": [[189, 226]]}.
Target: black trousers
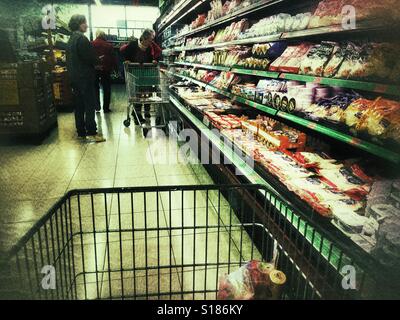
{"points": [[138, 108], [104, 79], [84, 101]]}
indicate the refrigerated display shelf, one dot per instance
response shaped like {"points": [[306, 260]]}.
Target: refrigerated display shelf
{"points": [[337, 135], [380, 88], [348, 139], [268, 38], [204, 66], [374, 87], [364, 26], [260, 5], [329, 251], [181, 8], [258, 73]]}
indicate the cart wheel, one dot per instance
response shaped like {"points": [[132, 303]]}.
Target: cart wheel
{"points": [[127, 122]]}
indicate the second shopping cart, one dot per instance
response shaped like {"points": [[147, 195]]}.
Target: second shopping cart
{"points": [[146, 88]]}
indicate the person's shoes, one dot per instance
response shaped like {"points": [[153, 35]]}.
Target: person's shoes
{"points": [[95, 138], [107, 110], [97, 108]]}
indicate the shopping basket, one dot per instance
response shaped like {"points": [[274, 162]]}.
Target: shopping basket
{"points": [[159, 243], [146, 86]]}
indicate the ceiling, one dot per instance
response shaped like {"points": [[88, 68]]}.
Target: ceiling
{"points": [[119, 2]]}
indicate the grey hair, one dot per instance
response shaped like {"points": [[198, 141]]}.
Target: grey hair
{"points": [[147, 33], [76, 21]]}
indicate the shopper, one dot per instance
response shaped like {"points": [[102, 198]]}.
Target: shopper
{"points": [[105, 53], [155, 49], [140, 51], [81, 61]]}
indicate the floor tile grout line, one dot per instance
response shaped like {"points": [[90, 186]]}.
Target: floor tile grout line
{"points": [[111, 204]]}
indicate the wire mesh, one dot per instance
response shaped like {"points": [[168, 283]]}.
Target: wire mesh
{"points": [[145, 84], [167, 243]]}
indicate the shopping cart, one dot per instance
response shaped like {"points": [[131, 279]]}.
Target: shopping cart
{"points": [[146, 86], [160, 243]]}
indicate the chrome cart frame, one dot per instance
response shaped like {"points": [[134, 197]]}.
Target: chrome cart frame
{"points": [[145, 86]]}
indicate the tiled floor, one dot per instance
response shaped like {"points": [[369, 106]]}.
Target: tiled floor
{"points": [[32, 178]]}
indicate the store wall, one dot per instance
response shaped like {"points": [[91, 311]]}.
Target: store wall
{"points": [[22, 20]]}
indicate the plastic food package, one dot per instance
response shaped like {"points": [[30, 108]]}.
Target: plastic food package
{"points": [[338, 56], [329, 12], [347, 219], [291, 58], [383, 58], [316, 59], [354, 112], [343, 179], [313, 160], [254, 281], [282, 22], [332, 109], [382, 119], [355, 62]]}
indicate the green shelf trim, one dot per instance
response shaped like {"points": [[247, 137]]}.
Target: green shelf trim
{"points": [[256, 105], [232, 96], [203, 66], [360, 144], [344, 83], [258, 73], [348, 139], [328, 250]]}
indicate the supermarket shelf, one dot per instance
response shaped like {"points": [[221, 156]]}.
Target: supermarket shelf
{"points": [[203, 66], [358, 143], [269, 38], [343, 83], [239, 13], [182, 9], [166, 63], [258, 73], [362, 26], [230, 95], [337, 135], [329, 251], [335, 29]]}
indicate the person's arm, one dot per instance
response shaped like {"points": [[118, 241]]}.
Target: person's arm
{"points": [[128, 52], [86, 52], [156, 51]]}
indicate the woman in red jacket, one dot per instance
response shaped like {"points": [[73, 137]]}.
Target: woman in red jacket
{"points": [[105, 52]]}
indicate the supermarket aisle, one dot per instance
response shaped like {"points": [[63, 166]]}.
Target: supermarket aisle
{"points": [[32, 178]]}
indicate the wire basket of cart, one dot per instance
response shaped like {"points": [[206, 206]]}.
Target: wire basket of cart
{"points": [[146, 87]]}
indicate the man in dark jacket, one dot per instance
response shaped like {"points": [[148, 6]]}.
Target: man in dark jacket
{"points": [[105, 53], [81, 60]]}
